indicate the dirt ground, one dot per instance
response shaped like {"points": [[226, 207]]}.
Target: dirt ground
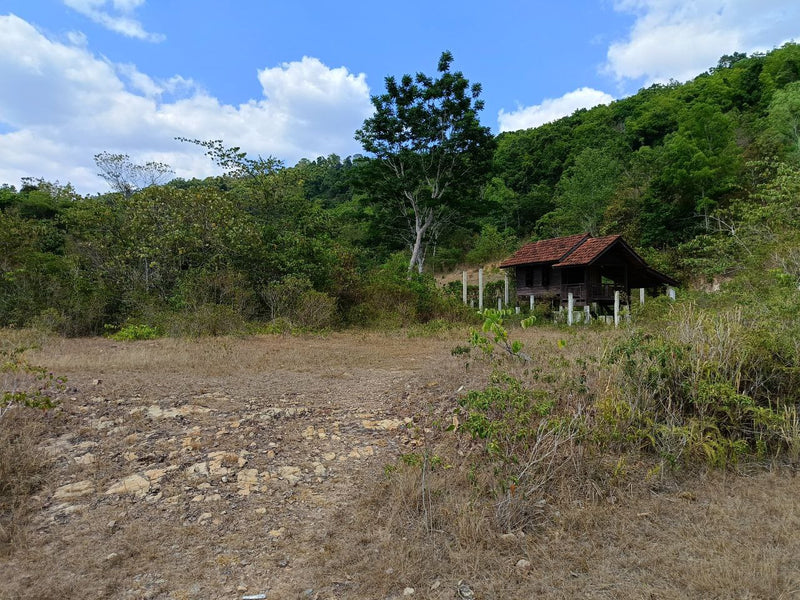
{"points": [[234, 467], [211, 468]]}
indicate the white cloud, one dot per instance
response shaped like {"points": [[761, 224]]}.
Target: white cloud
{"points": [[77, 38], [62, 105], [313, 100], [139, 81], [123, 22], [551, 109], [675, 39]]}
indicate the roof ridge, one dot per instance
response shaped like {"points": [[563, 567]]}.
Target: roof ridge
{"points": [[545, 251], [592, 249], [586, 237]]}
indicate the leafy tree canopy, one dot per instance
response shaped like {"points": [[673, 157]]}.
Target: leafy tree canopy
{"points": [[431, 149]]}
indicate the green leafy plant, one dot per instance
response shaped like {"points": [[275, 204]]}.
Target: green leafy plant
{"points": [[494, 334], [504, 415], [526, 446], [706, 388]]}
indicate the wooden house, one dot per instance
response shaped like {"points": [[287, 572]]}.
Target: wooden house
{"points": [[589, 268]]}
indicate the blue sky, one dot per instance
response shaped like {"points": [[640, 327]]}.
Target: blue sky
{"points": [[293, 79]]}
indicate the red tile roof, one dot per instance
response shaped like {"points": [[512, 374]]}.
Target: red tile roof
{"points": [[588, 251], [544, 251]]}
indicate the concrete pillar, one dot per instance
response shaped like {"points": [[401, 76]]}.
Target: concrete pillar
{"points": [[480, 290], [641, 296], [505, 294], [570, 308], [616, 308], [464, 287], [671, 293]]}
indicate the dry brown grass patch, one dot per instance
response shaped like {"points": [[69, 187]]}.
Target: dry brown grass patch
{"points": [[23, 469], [707, 535]]}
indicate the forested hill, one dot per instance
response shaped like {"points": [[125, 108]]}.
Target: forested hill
{"points": [[676, 168], [702, 177], [654, 166]]}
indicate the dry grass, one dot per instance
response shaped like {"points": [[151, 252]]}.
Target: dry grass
{"points": [[705, 536], [23, 467], [597, 526], [607, 528], [335, 352]]}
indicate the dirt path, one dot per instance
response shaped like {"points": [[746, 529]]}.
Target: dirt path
{"points": [[210, 469]]}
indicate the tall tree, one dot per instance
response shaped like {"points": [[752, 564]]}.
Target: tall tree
{"points": [[584, 192], [431, 150]]}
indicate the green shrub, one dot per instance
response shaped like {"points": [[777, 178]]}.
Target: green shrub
{"points": [[314, 310], [711, 386], [133, 332], [50, 320], [395, 297], [494, 334], [275, 327], [225, 287], [526, 448], [506, 415], [294, 299], [432, 328]]}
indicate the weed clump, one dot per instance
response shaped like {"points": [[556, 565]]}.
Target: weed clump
{"points": [[708, 390], [22, 464], [23, 468], [701, 390]]}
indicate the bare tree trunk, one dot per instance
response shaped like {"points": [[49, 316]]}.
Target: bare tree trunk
{"points": [[421, 225]]}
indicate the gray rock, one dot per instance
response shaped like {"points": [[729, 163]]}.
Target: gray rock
{"points": [[133, 484], [74, 490]]}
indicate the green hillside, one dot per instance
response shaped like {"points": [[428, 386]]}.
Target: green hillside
{"points": [[702, 178]]}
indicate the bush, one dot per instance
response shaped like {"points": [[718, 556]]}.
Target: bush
{"points": [[526, 446], [135, 332], [506, 414], [225, 287], [711, 387], [50, 320], [395, 297], [314, 310], [293, 299]]}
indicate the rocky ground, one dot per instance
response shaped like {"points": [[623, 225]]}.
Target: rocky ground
{"points": [[253, 468], [174, 483]]}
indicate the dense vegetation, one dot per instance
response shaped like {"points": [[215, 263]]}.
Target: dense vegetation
{"points": [[702, 177]]}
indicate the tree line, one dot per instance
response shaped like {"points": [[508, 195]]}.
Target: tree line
{"points": [[699, 176]]}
